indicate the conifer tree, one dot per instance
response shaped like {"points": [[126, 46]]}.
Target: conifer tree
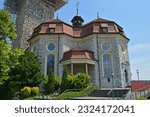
{"points": [[49, 86], [64, 80]]}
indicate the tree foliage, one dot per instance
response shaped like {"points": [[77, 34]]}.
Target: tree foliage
{"points": [[78, 81], [18, 68], [64, 83], [53, 83], [49, 86], [8, 59], [27, 72], [8, 55], [7, 26]]}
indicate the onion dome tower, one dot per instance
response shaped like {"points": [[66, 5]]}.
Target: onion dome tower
{"points": [[77, 21]]}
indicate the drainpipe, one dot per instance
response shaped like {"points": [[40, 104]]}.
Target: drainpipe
{"points": [[58, 56], [98, 60]]}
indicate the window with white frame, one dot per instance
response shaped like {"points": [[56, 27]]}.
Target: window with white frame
{"points": [[107, 65]]}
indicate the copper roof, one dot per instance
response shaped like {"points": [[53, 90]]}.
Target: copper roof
{"points": [[94, 27], [78, 53]]}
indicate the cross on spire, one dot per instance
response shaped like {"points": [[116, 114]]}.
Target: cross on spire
{"points": [[77, 5], [97, 14]]}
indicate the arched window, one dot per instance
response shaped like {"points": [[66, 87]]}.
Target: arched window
{"points": [[126, 76], [107, 65], [50, 63], [123, 53], [33, 48]]}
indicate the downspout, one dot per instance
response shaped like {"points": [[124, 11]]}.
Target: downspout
{"points": [[98, 60], [58, 56]]}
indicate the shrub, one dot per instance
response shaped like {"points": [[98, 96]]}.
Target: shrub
{"points": [[34, 91], [81, 80], [28, 92], [25, 92], [57, 83], [78, 81]]}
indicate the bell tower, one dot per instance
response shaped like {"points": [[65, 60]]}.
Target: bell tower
{"points": [[28, 14]]}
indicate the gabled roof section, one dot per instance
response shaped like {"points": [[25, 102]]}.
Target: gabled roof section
{"points": [[101, 20], [54, 21]]}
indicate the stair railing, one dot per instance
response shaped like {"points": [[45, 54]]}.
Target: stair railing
{"points": [[109, 93], [142, 92]]}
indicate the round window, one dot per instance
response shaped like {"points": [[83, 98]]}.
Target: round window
{"points": [[106, 46], [51, 47]]}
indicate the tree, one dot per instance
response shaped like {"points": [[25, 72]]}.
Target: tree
{"points": [[50, 85], [53, 83], [8, 59], [8, 56], [27, 72], [7, 26], [64, 82]]}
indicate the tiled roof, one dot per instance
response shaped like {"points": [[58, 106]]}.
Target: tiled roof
{"points": [[97, 26], [140, 85], [78, 53]]}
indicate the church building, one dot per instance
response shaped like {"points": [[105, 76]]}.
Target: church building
{"points": [[98, 48]]}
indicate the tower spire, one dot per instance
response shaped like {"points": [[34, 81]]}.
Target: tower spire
{"points": [[97, 14], [77, 5], [77, 11], [77, 20], [57, 17]]}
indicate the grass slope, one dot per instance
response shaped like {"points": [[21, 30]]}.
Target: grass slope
{"points": [[84, 92]]}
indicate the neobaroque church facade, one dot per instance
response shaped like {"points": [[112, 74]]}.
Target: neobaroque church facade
{"points": [[98, 48]]}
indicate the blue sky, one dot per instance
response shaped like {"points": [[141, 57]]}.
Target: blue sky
{"points": [[132, 15]]}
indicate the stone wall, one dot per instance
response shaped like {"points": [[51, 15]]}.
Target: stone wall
{"points": [[41, 51], [94, 44], [117, 80], [30, 14]]}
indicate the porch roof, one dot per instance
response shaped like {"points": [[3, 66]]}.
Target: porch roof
{"points": [[78, 53]]}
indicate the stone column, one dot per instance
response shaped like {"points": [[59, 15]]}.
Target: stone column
{"points": [[71, 68], [86, 67]]}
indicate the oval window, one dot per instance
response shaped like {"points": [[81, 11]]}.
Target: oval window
{"points": [[51, 47], [106, 46]]}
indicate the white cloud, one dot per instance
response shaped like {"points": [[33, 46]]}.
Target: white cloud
{"points": [[143, 65], [138, 48], [140, 59]]}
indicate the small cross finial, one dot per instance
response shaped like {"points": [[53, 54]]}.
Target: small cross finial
{"points": [[77, 5]]}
